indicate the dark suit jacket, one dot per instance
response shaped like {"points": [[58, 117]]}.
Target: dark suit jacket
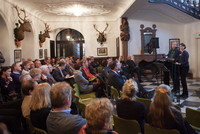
{"points": [[57, 75], [176, 54], [115, 80]]}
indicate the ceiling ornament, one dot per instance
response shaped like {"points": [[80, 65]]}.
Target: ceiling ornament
{"points": [[76, 9]]}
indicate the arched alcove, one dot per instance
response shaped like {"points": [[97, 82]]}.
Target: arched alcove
{"points": [[28, 45], [70, 42], [4, 44]]}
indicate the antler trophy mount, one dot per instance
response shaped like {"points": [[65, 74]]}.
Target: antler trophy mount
{"points": [[43, 36], [101, 37], [19, 30]]}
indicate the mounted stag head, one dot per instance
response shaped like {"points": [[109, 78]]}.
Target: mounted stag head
{"points": [[101, 37], [42, 37], [19, 31]]}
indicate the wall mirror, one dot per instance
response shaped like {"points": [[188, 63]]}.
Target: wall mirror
{"points": [[146, 35]]}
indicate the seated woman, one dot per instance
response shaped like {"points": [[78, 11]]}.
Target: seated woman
{"points": [[86, 73], [40, 105], [84, 85], [128, 108], [98, 115], [162, 114], [6, 85]]}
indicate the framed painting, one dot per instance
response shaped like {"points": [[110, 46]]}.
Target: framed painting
{"points": [[45, 53], [17, 55], [102, 51], [40, 53], [175, 40]]}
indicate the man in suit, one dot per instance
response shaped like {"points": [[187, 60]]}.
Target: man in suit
{"points": [[173, 56], [114, 78], [60, 120], [132, 68], [45, 75]]}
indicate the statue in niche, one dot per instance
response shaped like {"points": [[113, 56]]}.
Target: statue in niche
{"points": [[124, 27]]}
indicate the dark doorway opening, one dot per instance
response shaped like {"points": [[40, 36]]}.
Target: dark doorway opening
{"points": [[70, 42]]}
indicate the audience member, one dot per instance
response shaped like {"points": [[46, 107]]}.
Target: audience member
{"points": [[114, 78], [16, 73], [24, 78], [98, 115], [93, 62], [60, 74], [128, 108], [84, 85], [60, 121], [29, 60], [45, 75], [37, 63], [26, 67], [32, 65], [6, 85], [106, 69], [27, 89], [162, 114], [47, 60], [40, 105], [35, 73], [53, 62], [132, 68], [86, 72], [90, 67]]}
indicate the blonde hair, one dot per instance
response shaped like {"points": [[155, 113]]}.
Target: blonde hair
{"points": [[34, 72], [40, 97], [129, 89], [98, 112], [59, 93], [120, 58], [160, 106]]}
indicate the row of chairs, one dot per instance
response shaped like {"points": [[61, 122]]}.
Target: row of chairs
{"points": [[124, 126], [192, 116]]}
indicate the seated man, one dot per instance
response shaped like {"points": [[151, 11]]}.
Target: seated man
{"points": [[132, 68], [60, 121], [45, 75], [114, 78], [16, 73], [60, 74]]}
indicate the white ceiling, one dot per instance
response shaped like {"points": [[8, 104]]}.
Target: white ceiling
{"points": [[56, 10], [143, 10], [103, 10]]}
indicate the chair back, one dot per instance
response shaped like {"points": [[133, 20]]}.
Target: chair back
{"points": [[39, 131], [177, 107], [114, 92], [81, 107], [193, 117], [146, 102], [76, 89], [30, 126], [148, 129], [123, 126]]}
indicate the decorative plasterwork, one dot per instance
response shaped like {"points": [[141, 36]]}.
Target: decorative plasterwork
{"points": [[69, 9]]}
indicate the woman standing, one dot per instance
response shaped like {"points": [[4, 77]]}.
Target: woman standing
{"points": [[184, 68]]}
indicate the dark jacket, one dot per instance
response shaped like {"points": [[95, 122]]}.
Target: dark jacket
{"points": [[57, 75], [115, 80], [131, 110], [175, 55], [39, 117], [183, 58], [15, 77], [6, 89]]}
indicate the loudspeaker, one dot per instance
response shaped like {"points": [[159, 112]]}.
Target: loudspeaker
{"points": [[155, 42]]}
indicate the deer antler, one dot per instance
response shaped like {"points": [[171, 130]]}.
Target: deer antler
{"points": [[18, 13], [105, 28], [47, 28], [96, 28]]}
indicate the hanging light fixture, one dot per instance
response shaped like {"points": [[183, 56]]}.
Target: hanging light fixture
{"points": [[68, 35]]}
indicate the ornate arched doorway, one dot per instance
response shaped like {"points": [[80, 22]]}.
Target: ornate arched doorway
{"points": [[70, 42]]}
